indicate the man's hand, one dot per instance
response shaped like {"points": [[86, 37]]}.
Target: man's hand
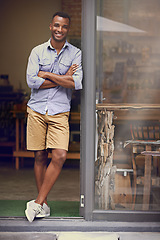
{"points": [[41, 74], [72, 69]]}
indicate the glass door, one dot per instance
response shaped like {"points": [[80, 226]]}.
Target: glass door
{"points": [[121, 110]]}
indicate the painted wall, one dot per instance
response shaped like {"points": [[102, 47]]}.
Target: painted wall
{"points": [[23, 25]]}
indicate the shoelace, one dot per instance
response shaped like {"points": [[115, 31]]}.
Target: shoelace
{"points": [[38, 209]]}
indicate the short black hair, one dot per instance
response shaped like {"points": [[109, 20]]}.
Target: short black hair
{"points": [[62, 14]]}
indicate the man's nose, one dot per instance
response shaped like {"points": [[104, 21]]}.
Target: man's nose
{"points": [[59, 28]]}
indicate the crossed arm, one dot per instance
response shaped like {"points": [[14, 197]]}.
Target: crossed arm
{"points": [[58, 80]]}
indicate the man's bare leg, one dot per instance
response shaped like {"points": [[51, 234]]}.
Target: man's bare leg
{"points": [[52, 173], [40, 166]]}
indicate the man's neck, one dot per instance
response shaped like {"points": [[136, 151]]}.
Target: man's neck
{"points": [[57, 45]]}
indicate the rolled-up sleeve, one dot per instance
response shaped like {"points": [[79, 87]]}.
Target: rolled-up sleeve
{"points": [[78, 75], [33, 81]]}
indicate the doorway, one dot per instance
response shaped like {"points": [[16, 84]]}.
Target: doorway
{"points": [[20, 185]]}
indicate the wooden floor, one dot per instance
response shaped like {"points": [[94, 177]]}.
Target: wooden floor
{"points": [[20, 185]]}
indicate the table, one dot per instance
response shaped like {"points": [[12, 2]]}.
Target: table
{"points": [[20, 116], [106, 114], [148, 167]]}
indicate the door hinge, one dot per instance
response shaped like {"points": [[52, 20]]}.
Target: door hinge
{"points": [[82, 201]]}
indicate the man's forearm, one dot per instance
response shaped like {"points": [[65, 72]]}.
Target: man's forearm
{"points": [[65, 81], [48, 84]]}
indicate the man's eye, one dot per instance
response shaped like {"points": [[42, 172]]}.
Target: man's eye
{"points": [[66, 27]]}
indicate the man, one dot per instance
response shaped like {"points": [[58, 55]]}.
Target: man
{"points": [[54, 70]]}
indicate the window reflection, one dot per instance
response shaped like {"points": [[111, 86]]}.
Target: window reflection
{"points": [[130, 53], [128, 56]]}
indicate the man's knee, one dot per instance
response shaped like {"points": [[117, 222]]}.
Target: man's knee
{"points": [[41, 157], [59, 157]]}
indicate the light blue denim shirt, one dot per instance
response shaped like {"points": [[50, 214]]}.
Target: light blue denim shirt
{"points": [[44, 57]]}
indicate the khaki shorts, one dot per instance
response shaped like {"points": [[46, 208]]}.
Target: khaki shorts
{"points": [[44, 131]]}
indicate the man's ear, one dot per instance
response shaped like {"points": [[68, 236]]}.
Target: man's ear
{"points": [[50, 26]]}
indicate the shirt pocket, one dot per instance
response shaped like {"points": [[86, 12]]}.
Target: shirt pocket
{"points": [[45, 65], [64, 65]]}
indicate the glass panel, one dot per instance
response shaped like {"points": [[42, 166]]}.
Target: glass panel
{"points": [[127, 173]]}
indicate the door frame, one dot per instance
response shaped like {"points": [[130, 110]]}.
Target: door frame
{"points": [[88, 109]]}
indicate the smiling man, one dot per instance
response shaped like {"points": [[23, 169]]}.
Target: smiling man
{"points": [[54, 70]]}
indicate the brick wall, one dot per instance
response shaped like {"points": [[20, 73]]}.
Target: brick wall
{"points": [[73, 8]]}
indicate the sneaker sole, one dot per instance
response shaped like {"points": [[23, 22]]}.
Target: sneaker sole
{"points": [[27, 216], [43, 216]]}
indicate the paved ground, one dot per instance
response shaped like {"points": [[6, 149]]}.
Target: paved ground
{"points": [[76, 229], [27, 236], [79, 236]]}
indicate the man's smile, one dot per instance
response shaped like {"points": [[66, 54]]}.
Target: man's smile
{"points": [[58, 34]]}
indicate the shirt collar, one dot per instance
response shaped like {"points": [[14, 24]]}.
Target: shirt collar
{"points": [[50, 46]]}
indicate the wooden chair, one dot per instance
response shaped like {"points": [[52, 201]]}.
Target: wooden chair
{"points": [[145, 138], [145, 130]]}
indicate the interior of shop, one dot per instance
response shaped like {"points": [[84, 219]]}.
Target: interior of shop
{"points": [[25, 24], [127, 80]]}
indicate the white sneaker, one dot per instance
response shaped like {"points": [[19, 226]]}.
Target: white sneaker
{"points": [[46, 210], [33, 209], [42, 214]]}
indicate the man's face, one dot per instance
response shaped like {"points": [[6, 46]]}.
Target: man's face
{"points": [[59, 28]]}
